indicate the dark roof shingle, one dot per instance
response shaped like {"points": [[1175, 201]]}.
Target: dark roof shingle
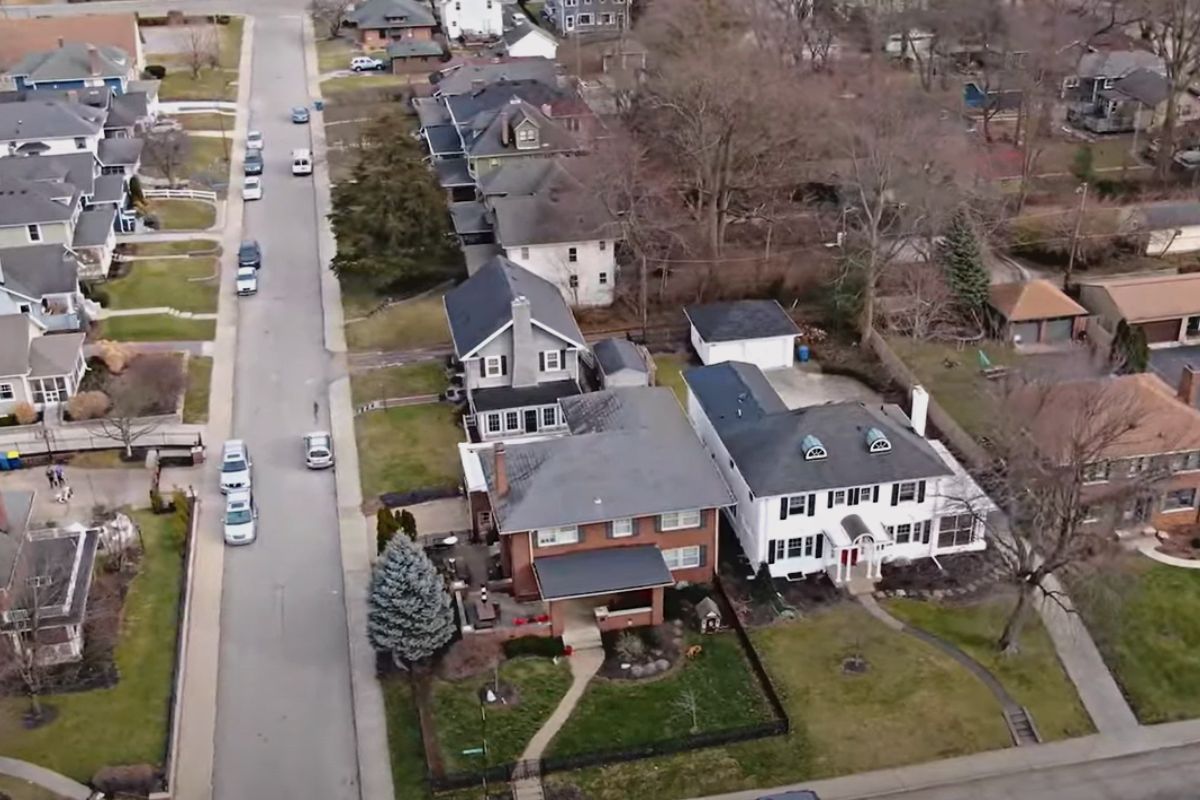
{"points": [[740, 319]]}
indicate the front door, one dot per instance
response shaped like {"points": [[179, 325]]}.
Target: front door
{"points": [[531, 421], [849, 556]]}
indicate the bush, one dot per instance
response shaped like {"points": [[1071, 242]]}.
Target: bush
{"points": [[630, 647], [386, 526], [156, 71], [96, 293], [544, 646], [7, 420], [87, 405], [115, 355], [135, 779], [25, 414]]}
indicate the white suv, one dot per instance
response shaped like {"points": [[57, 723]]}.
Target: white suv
{"points": [[235, 466], [361, 63]]}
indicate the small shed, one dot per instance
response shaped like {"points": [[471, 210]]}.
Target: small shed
{"points": [[524, 40], [709, 614], [1035, 312], [1170, 227], [621, 363], [757, 332]]}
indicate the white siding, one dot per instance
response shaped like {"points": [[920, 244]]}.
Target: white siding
{"points": [[768, 353], [591, 266], [1165, 242], [473, 17], [57, 147], [534, 45]]}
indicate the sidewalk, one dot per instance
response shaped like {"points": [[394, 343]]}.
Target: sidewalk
{"points": [[584, 666], [60, 785], [111, 487]]}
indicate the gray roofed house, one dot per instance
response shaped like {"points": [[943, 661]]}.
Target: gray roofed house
{"points": [[470, 218], [109, 189], [452, 173], [25, 202], [413, 48], [537, 175], [1116, 63], [466, 107], [95, 227], [595, 572], [504, 397], [431, 111], [128, 111], [55, 354], [740, 319], [38, 270], [502, 135], [443, 141], [15, 333], [1146, 86], [552, 217], [73, 61], [14, 522], [48, 119], [467, 77], [28, 355], [391, 14], [621, 363], [120, 152], [77, 169]]}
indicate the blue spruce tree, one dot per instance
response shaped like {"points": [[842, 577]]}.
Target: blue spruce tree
{"points": [[408, 608]]}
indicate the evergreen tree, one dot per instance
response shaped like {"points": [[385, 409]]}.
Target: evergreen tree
{"points": [[408, 524], [385, 528], [963, 262], [408, 608]]}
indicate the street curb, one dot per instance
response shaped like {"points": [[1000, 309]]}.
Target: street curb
{"points": [[370, 721]]}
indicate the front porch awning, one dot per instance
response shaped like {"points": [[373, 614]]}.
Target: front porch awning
{"points": [[595, 572], [854, 527]]}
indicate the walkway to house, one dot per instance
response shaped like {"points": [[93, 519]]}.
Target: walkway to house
{"points": [[47, 779], [196, 348], [1148, 546], [111, 487]]}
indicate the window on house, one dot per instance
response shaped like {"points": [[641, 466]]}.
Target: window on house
{"points": [[795, 547], [493, 366], [553, 537], [797, 505], [682, 557], [1138, 465], [606, 19], [34, 232], [955, 530], [493, 423], [549, 417], [572, 254], [1180, 500], [603, 245], [621, 528], [524, 253], [902, 534], [512, 421], [573, 281], [571, 3], [620, 17], [603, 278], [1095, 473], [569, 22], [1185, 462], [838, 497], [678, 520], [1193, 326], [585, 19], [906, 492], [484, 520], [551, 360], [6, 391], [1108, 83], [1089, 513], [25, 308], [80, 143]]}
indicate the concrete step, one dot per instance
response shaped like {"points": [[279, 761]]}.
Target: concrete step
{"points": [[1020, 724]]}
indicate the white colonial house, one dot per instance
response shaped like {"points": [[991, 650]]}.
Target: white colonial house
{"points": [[839, 488], [479, 18]]}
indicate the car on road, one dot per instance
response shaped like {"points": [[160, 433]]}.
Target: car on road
{"points": [[235, 466], [318, 450], [1188, 159], [301, 162], [365, 64], [240, 513], [252, 188], [299, 115], [254, 140], [250, 254], [247, 281], [253, 163]]}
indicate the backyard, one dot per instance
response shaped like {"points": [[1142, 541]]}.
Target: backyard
{"points": [[126, 724], [424, 378], [1145, 618], [411, 324], [182, 215], [406, 448], [669, 373], [206, 122], [185, 284], [156, 328], [199, 380]]}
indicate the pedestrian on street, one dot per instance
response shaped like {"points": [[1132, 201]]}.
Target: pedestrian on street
{"points": [[58, 473], [50, 476]]}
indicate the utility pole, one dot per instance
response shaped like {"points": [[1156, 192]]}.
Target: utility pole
{"points": [[1082, 191]]}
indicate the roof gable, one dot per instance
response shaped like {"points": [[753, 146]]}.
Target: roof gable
{"points": [[741, 319], [1033, 300]]}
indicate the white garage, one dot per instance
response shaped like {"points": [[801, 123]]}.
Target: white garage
{"points": [[1172, 228], [757, 332]]}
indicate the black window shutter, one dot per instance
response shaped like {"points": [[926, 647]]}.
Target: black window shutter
{"points": [[608, 531], [921, 492], [770, 551], [483, 367], [562, 359], [875, 494], [852, 497], [579, 534], [925, 526], [812, 504], [783, 507], [830, 500], [541, 362], [895, 494], [703, 555], [820, 544], [503, 365]]}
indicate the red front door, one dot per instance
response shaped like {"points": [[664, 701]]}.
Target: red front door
{"points": [[850, 557]]}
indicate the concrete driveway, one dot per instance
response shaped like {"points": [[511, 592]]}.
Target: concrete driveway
{"points": [[285, 723], [808, 386]]}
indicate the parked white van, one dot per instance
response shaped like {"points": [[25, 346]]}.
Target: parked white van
{"points": [[301, 162]]}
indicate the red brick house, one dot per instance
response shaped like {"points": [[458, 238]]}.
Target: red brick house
{"points": [[598, 523], [378, 23]]}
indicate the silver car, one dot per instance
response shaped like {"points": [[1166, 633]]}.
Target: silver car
{"points": [[235, 466], [318, 450], [240, 514]]}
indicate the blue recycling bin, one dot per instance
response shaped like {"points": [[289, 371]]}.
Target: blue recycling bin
{"points": [[802, 354], [319, 104]]}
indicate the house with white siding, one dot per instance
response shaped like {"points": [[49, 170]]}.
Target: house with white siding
{"points": [[840, 488], [473, 18]]}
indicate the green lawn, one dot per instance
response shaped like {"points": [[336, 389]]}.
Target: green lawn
{"points": [[1034, 677], [210, 84], [335, 54], [427, 377], [669, 369], [912, 705], [185, 284], [207, 122], [183, 215], [400, 449], [350, 83], [199, 380], [407, 325], [132, 716], [206, 161], [203, 246], [1145, 618], [539, 684], [404, 738], [157, 328], [961, 389], [614, 715]]}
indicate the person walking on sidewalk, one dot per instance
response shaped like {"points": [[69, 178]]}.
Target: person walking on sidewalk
{"points": [[58, 474], [51, 477]]}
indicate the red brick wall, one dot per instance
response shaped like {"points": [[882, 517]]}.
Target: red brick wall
{"points": [[1176, 519]]}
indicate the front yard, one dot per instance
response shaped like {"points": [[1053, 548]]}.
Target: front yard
{"points": [[156, 328], [407, 325], [185, 284], [404, 738], [406, 448], [126, 724], [425, 378], [211, 83], [195, 398], [182, 215], [1145, 618], [331, 87], [207, 122]]}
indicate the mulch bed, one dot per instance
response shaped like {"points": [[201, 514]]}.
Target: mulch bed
{"points": [[660, 643], [963, 575]]}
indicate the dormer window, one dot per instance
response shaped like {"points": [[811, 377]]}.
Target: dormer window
{"points": [[877, 441], [812, 448]]}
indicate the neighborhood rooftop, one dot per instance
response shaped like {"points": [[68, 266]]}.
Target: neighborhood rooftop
{"points": [[593, 572], [73, 61], [38, 270], [740, 319], [615, 355], [21, 37], [1154, 296], [1031, 300], [48, 119]]}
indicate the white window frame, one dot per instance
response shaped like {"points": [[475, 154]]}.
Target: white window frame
{"points": [[512, 415], [797, 505], [33, 232], [493, 366], [606, 19], [680, 520], [839, 497], [1176, 509], [557, 537], [550, 417], [493, 417], [603, 278], [573, 254], [682, 557], [524, 253], [569, 22], [556, 355], [589, 16], [621, 528], [906, 488], [904, 529], [1187, 462], [1097, 472], [7, 391]]}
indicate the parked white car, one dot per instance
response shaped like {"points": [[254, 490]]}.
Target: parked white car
{"points": [[235, 466], [302, 161], [363, 63], [254, 140], [318, 450], [247, 281], [252, 188], [240, 514]]}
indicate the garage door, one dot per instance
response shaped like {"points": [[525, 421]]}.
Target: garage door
{"points": [[1027, 331], [1166, 330], [1058, 330]]}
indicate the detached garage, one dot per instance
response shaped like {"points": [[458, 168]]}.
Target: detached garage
{"points": [[757, 332]]}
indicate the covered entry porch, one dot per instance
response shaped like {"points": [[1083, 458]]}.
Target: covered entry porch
{"points": [[859, 549]]}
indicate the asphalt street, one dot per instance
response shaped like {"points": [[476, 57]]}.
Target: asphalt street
{"points": [[285, 725]]}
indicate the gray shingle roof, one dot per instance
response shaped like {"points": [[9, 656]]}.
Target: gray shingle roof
{"points": [[14, 345], [631, 453], [413, 48], [119, 152], [551, 217], [453, 172], [501, 397], [126, 110], [482, 304], [38, 270], [1147, 87], [489, 141], [443, 140], [469, 105], [1162, 216], [78, 169], [48, 119], [1116, 63], [765, 442], [520, 31], [94, 226], [468, 77], [470, 216], [592, 572], [73, 61], [54, 354], [615, 355], [392, 14], [36, 202], [741, 319], [109, 189], [18, 506]]}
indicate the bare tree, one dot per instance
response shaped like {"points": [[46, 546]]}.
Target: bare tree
{"points": [[167, 151], [149, 387], [799, 32], [688, 704], [201, 48], [32, 621], [924, 304], [330, 13], [1172, 27]]}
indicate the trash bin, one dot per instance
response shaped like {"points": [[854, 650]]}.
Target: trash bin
{"points": [[802, 353], [319, 105]]}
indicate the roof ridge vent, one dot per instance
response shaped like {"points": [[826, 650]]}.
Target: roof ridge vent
{"points": [[812, 448], [877, 441]]}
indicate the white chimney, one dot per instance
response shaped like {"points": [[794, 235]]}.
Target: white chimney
{"points": [[920, 409]]}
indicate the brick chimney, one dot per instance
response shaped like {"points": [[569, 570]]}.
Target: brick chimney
{"points": [[501, 470], [1187, 385], [93, 60]]}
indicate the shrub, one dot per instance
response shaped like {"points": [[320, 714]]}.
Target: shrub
{"points": [[97, 293], [156, 501], [156, 71], [630, 647], [408, 524], [135, 779], [385, 528], [87, 405], [25, 414], [115, 355], [544, 646]]}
